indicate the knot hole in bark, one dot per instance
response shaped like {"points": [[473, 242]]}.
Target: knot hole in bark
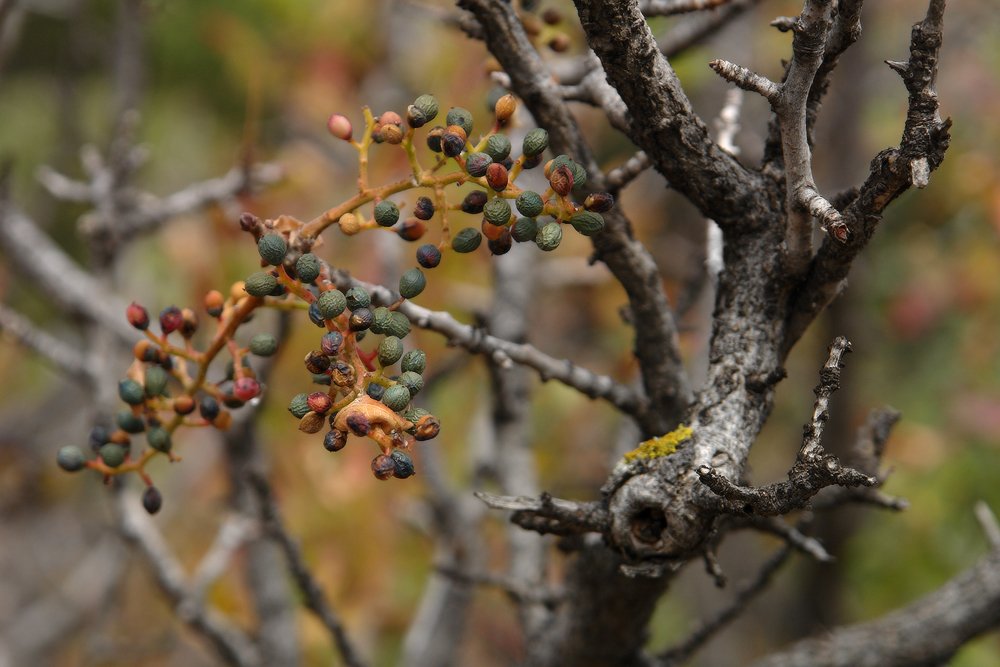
{"points": [[648, 524]]}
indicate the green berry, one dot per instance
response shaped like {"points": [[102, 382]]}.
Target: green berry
{"points": [[113, 454], [414, 361], [414, 414], [587, 222], [386, 213], [477, 163], [358, 297], [390, 350], [549, 236], [131, 392], [497, 211], [159, 439], [396, 397], [412, 283], [260, 284], [155, 381], [498, 147], [129, 422], [530, 203], [535, 142], [525, 229], [299, 405], [414, 382], [381, 318], [398, 325], [307, 267], [70, 458], [428, 106], [461, 117], [466, 240], [263, 345], [272, 248], [331, 304]]}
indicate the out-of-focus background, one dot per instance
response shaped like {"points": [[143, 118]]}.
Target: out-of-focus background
{"points": [[223, 80]]}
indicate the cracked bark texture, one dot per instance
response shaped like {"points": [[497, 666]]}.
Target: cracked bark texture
{"points": [[660, 513]]}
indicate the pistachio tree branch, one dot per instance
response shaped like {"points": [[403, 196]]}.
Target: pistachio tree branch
{"points": [[656, 346], [314, 597], [62, 355], [504, 352], [682, 652], [789, 100], [673, 7], [231, 643], [922, 147], [663, 123], [926, 632], [814, 468], [57, 276]]}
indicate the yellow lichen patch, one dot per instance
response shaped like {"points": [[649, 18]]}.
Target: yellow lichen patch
{"points": [[663, 445]]}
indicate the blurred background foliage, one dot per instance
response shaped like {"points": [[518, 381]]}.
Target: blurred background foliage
{"points": [[225, 80]]}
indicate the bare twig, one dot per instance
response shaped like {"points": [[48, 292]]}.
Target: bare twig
{"points": [[52, 271], [926, 632], [65, 357], [814, 469], [517, 590], [504, 353], [988, 522], [234, 532], [546, 514], [795, 538], [673, 7], [624, 174], [232, 644], [680, 653], [315, 598]]}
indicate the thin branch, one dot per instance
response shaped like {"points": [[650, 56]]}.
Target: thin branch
{"points": [[625, 173], [988, 522], [795, 538], [63, 356], [746, 79], [696, 29], [829, 383], [813, 470], [517, 590], [315, 598], [682, 652], [656, 343], [927, 632], [546, 514], [57, 276], [925, 137], [232, 535], [504, 353], [235, 647], [674, 7]]}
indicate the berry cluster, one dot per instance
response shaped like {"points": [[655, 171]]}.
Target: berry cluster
{"points": [[366, 390]]}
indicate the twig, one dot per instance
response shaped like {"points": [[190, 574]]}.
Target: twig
{"points": [[813, 470], [315, 598], [988, 522], [518, 591], [504, 353], [673, 7], [546, 514], [624, 174], [696, 29], [52, 271], [235, 647], [829, 383], [680, 653], [234, 532], [795, 538], [63, 356], [925, 137]]}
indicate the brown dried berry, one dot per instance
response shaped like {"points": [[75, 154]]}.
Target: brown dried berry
{"points": [[496, 176]]}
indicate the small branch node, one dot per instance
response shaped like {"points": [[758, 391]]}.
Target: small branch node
{"points": [[746, 79]]}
